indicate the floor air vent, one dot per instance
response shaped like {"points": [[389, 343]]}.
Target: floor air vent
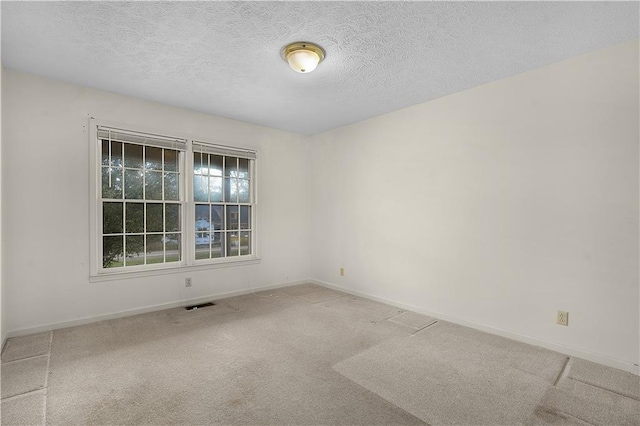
{"points": [[202, 305]]}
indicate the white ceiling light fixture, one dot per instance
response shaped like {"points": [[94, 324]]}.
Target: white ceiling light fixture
{"points": [[303, 57]]}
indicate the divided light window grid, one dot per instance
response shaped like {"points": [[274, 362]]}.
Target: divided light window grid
{"points": [[141, 201], [223, 197], [156, 208]]}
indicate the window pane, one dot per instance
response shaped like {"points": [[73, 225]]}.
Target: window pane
{"points": [[215, 189], [202, 245], [205, 164], [153, 182], [200, 188], [133, 184], [172, 246], [153, 158], [171, 191], [135, 250], [105, 152], [198, 158], [202, 241], [155, 249], [112, 252], [112, 189], [232, 244], [202, 231], [202, 217], [170, 160], [154, 218], [112, 218], [245, 217], [231, 190], [215, 165], [217, 245], [232, 217], [243, 168], [116, 154], [172, 212], [135, 218], [231, 166], [202, 252], [217, 218], [243, 191], [132, 155], [245, 243]]}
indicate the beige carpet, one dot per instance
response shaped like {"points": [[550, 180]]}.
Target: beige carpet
{"points": [[300, 355], [448, 374]]}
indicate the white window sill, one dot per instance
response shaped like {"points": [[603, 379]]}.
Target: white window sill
{"points": [[125, 275]]}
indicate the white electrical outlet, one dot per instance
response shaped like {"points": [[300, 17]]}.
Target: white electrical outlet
{"points": [[563, 318], [342, 272], [187, 282]]}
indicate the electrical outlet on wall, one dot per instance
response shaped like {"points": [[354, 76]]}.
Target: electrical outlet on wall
{"points": [[342, 272], [187, 282], [563, 318]]}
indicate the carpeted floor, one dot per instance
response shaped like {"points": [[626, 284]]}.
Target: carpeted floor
{"points": [[301, 355]]}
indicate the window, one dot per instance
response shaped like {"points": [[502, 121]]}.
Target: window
{"points": [[222, 188], [168, 202]]}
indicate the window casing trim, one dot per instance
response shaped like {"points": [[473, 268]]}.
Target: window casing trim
{"points": [[121, 275], [188, 261]]}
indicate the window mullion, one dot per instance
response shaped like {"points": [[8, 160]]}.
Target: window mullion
{"points": [[144, 174], [209, 205], [109, 162], [124, 233], [144, 228], [185, 164], [162, 175], [225, 198]]}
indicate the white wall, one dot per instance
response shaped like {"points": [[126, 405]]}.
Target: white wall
{"points": [[496, 206], [45, 174], [3, 311]]}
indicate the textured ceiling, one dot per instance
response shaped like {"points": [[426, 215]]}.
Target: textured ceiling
{"points": [[223, 58]]}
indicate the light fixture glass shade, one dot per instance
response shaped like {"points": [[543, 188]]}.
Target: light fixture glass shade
{"points": [[303, 61], [302, 56]]}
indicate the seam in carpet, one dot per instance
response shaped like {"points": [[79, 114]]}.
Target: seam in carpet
{"points": [[46, 379], [25, 359], [23, 394], [561, 413], [397, 314], [605, 389], [387, 318], [326, 300], [426, 326], [564, 372]]}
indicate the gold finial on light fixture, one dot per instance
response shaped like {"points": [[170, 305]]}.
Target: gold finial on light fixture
{"points": [[303, 57]]}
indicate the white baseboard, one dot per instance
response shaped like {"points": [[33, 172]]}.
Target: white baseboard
{"points": [[143, 310], [576, 352]]}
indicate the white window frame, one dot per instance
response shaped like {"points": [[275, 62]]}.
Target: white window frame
{"points": [[188, 261]]}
